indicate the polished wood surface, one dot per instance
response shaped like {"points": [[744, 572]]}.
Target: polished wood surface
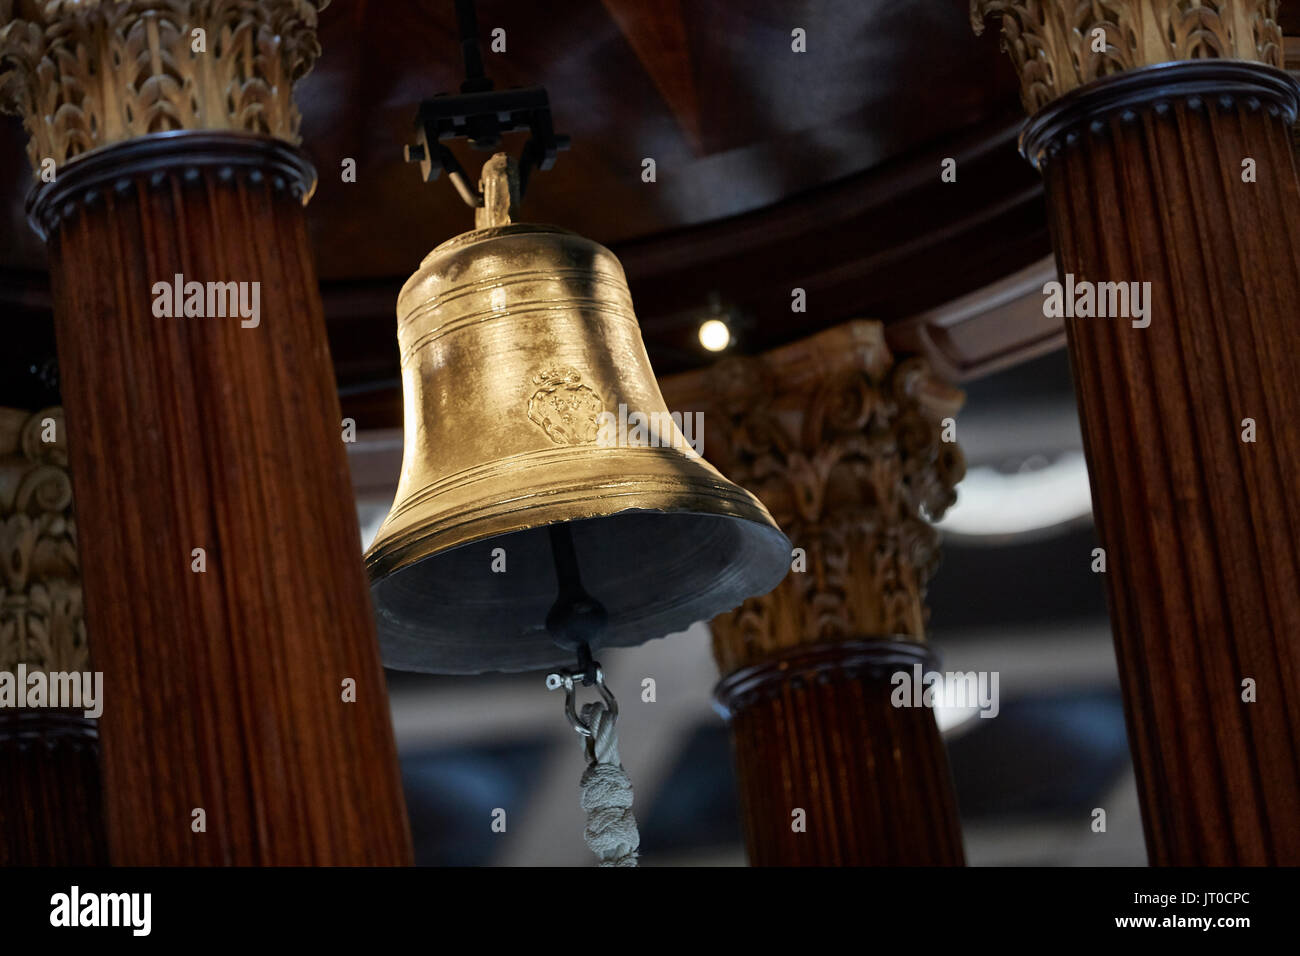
{"points": [[814, 731], [1199, 527], [50, 808], [223, 688]]}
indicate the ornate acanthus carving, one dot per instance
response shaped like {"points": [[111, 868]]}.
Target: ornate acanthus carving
{"points": [[843, 445], [88, 73], [41, 621], [1051, 42]]}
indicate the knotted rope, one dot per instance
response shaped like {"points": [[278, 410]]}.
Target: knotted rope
{"points": [[611, 831]]}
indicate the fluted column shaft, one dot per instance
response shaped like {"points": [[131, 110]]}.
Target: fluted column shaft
{"points": [[245, 718], [1200, 527], [814, 729], [1182, 176]]}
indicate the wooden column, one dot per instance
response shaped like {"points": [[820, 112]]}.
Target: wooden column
{"points": [[49, 778], [225, 598], [842, 444], [1181, 175]]}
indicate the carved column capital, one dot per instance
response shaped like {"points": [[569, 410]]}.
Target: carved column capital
{"points": [[843, 445], [41, 620], [1052, 43], [89, 73]]}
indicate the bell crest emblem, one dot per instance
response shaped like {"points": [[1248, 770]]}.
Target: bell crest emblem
{"points": [[566, 409]]}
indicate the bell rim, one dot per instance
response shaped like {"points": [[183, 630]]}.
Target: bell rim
{"points": [[423, 651], [423, 540]]}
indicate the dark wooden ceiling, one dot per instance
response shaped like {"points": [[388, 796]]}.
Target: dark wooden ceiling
{"points": [[775, 169], [711, 90]]}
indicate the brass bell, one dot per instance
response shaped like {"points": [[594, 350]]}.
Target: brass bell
{"points": [[519, 348]]}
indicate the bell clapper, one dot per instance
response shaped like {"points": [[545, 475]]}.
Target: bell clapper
{"points": [[576, 621]]}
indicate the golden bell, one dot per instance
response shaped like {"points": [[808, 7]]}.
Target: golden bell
{"points": [[521, 359]]}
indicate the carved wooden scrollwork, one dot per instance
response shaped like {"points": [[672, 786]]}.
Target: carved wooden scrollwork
{"points": [[88, 73], [1052, 44], [41, 618]]}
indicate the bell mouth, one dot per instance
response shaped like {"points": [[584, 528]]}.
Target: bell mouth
{"points": [[656, 573]]}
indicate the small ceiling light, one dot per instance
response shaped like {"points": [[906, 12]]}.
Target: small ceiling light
{"points": [[714, 335]]}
